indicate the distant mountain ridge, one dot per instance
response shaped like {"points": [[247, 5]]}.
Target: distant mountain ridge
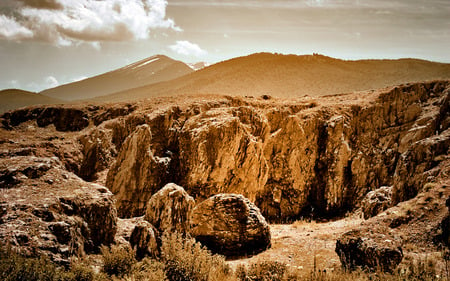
{"points": [[15, 98], [291, 76], [144, 72]]}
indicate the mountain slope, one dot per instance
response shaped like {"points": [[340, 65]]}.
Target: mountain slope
{"points": [[291, 76], [14, 98], [151, 70]]}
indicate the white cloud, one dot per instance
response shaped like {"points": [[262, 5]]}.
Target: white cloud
{"points": [[65, 22], [187, 48], [11, 29], [51, 82]]}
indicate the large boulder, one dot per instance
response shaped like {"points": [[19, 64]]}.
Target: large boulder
{"points": [[170, 209], [144, 240], [376, 201], [231, 225], [369, 251]]}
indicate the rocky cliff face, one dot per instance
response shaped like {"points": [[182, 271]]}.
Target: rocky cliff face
{"points": [[291, 157]]}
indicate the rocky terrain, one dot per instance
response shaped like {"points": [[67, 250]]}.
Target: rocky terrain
{"points": [[74, 177]]}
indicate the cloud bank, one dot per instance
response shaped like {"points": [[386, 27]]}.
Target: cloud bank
{"points": [[65, 22], [187, 48]]}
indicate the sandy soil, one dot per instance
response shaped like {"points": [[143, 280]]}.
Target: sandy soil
{"points": [[303, 244]]}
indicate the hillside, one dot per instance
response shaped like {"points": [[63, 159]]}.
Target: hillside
{"points": [[148, 71], [291, 76], [14, 98]]}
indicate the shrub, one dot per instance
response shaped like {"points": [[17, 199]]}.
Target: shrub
{"points": [[186, 259], [149, 269], [117, 260], [14, 267], [263, 271]]}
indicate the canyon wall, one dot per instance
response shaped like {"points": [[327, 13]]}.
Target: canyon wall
{"points": [[292, 158]]}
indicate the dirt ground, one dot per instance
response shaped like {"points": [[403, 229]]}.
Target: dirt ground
{"points": [[304, 245]]}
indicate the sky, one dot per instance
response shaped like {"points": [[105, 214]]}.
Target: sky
{"points": [[46, 43]]}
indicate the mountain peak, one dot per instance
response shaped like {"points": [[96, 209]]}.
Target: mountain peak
{"points": [[154, 69]]}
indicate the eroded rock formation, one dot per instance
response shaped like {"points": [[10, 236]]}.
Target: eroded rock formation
{"points": [[136, 169], [144, 240], [364, 249], [50, 211], [376, 201], [170, 209], [231, 225], [291, 158]]}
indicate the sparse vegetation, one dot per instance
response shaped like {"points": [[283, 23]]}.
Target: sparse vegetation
{"points": [[184, 259], [118, 260], [264, 271]]}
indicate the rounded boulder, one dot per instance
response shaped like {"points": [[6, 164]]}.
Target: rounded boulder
{"points": [[230, 225]]}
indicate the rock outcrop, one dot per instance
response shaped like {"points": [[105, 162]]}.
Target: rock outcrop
{"points": [[144, 240], [376, 201], [231, 225], [55, 213], [221, 150], [170, 209], [65, 118], [378, 251], [98, 152], [136, 174], [291, 158]]}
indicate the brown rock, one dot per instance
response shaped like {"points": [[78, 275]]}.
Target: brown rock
{"points": [[420, 158], [69, 217], [376, 252], [376, 201], [98, 212], [144, 240], [136, 174], [221, 150], [17, 169], [445, 226], [64, 118], [98, 152], [170, 209], [231, 225]]}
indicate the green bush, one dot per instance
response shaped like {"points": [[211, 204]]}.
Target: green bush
{"points": [[117, 260]]}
